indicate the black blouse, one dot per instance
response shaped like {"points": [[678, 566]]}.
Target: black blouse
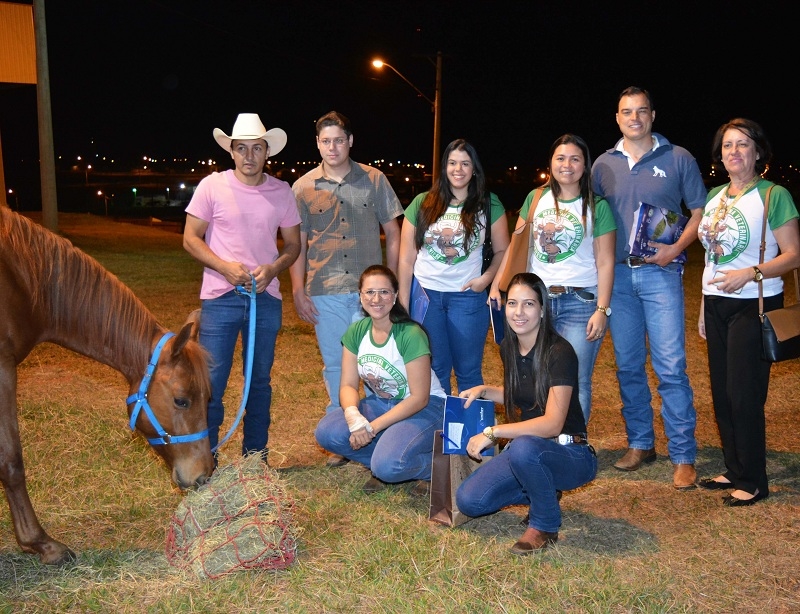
{"points": [[563, 372]]}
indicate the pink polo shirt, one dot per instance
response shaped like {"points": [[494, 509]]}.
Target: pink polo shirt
{"points": [[243, 224]]}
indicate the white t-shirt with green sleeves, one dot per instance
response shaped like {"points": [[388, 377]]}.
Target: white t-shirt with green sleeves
{"points": [[448, 259], [563, 248], [736, 239], [382, 367]]}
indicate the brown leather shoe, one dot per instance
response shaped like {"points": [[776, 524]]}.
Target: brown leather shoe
{"points": [[335, 460], [373, 485], [421, 489], [634, 458], [683, 477], [533, 540]]}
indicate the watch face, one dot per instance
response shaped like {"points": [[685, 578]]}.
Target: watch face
{"points": [[608, 311]]}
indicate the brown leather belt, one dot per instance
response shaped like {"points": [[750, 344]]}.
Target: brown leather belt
{"points": [[556, 290]]}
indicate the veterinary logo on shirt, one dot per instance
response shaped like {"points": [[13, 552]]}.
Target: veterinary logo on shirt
{"points": [[729, 239], [557, 234], [382, 377], [445, 241]]}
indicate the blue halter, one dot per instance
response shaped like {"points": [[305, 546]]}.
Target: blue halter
{"points": [[140, 398]]}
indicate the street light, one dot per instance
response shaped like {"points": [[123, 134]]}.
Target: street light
{"points": [[436, 103], [105, 199]]}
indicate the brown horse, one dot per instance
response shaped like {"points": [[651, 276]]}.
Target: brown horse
{"points": [[52, 291]]}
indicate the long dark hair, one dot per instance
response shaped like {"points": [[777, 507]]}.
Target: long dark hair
{"points": [[398, 313], [440, 195], [751, 129], [586, 180], [509, 349]]}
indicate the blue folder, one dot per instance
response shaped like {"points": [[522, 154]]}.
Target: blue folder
{"points": [[461, 423], [497, 315], [418, 302]]}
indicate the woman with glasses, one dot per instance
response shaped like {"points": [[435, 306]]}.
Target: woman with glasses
{"points": [[441, 244], [390, 431]]}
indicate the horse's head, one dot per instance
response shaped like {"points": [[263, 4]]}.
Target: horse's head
{"points": [[178, 394]]}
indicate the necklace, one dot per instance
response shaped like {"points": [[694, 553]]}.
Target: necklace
{"points": [[726, 203]]}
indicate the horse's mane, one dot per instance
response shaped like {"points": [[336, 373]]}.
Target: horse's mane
{"points": [[79, 298]]}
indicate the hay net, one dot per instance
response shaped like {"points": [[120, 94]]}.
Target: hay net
{"points": [[240, 519]]}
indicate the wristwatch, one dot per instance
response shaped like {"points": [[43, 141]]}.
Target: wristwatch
{"points": [[605, 310], [488, 432], [757, 274]]}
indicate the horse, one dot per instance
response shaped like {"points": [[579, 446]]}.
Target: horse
{"points": [[51, 291]]}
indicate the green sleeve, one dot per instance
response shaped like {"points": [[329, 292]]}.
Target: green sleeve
{"points": [[498, 210], [526, 206], [781, 207], [355, 333], [411, 341], [412, 210], [603, 218]]}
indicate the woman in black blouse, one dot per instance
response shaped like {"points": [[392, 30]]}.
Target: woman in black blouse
{"points": [[548, 451]]}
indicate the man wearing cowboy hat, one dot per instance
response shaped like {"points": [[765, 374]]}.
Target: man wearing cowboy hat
{"points": [[343, 206], [232, 226]]}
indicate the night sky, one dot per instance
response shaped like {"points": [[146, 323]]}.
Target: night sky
{"points": [[155, 77]]}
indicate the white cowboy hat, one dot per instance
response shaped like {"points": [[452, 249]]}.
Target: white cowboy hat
{"points": [[248, 126]]}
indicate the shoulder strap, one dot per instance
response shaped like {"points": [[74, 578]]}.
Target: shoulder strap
{"points": [[487, 219], [536, 196], [763, 247]]}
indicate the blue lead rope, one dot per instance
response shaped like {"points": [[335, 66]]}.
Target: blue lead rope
{"points": [[248, 368]]}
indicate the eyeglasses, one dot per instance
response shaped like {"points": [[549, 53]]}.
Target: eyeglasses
{"points": [[382, 294], [338, 141]]}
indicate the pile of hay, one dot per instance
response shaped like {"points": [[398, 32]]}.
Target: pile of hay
{"points": [[240, 519]]}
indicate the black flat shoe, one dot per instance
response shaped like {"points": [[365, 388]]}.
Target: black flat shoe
{"points": [[732, 501], [711, 484]]}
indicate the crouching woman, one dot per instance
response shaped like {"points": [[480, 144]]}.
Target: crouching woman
{"points": [[391, 429], [548, 451]]}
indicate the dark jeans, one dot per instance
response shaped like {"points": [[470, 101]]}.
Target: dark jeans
{"points": [[222, 320]]}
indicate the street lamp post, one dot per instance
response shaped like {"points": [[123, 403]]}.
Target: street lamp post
{"points": [[436, 103], [105, 199]]}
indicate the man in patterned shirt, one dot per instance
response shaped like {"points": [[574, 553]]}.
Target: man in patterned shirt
{"points": [[343, 206]]}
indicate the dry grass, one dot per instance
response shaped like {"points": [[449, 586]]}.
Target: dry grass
{"points": [[629, 542]]}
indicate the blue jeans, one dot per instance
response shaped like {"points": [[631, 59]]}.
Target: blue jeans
{"points": [[221, 321], [648, 311], [570, 314], [402, 452], [528, 471], [457, 324], [336, 313]]}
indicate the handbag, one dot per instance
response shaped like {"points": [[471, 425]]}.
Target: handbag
{"points": [[519, 248], [448, 471], [488, 252], [780, 328]]}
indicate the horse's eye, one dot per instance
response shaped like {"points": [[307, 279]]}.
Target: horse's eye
{"points": [[181, 403]]}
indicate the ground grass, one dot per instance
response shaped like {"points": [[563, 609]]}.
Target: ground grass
{"points": [[629, 542]]}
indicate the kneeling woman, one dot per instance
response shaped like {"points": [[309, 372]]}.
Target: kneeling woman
{"points": [[391, 430], [548, 451]]}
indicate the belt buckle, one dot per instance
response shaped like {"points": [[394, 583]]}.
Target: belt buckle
{"points": [[556, 290], [634, 262], [564, 439]]}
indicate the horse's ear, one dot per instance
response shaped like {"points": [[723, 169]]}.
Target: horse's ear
{"points": [[193, 321], [189, 332]]}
